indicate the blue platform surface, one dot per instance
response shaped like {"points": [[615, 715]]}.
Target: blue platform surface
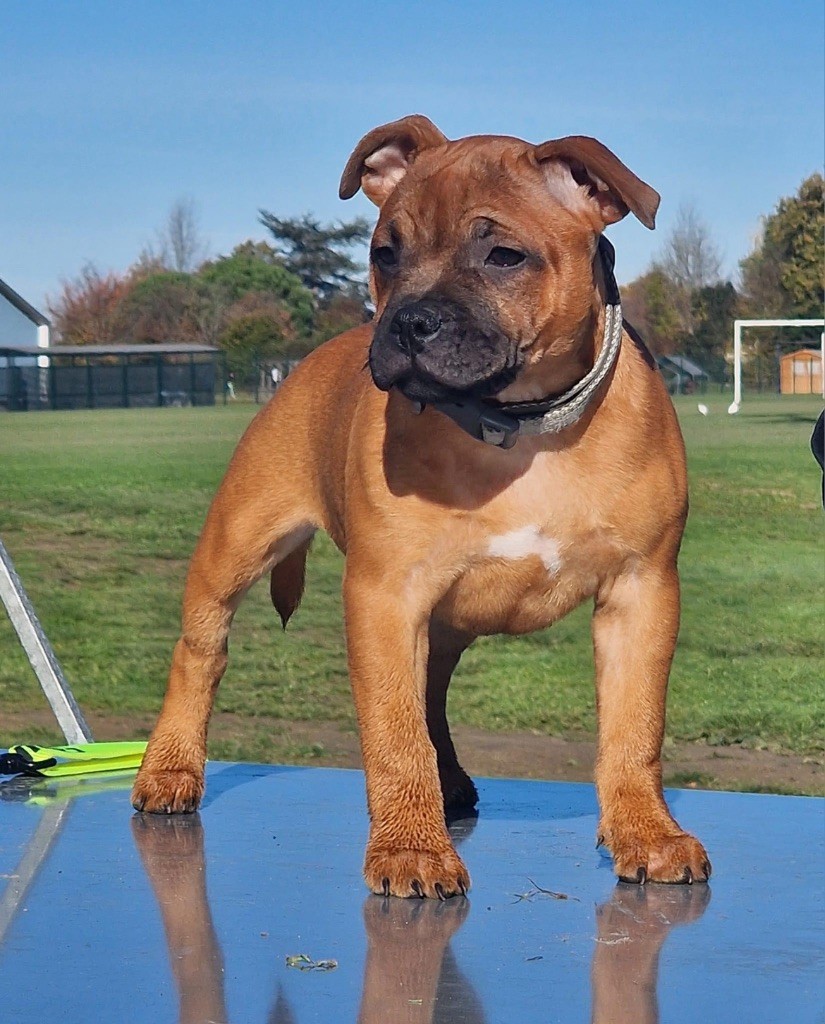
{"points": [[110, 916]]}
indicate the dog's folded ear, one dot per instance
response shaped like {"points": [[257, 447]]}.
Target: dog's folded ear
{"points": [[382, 157], [582, 170]]}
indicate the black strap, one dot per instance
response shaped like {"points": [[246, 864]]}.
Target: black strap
{"points": [[14, 763]]}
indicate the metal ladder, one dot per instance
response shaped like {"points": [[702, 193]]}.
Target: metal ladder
{"points": [[40, 653]]}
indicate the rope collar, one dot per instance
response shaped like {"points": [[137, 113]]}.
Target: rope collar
{"points": [[501, 424]]}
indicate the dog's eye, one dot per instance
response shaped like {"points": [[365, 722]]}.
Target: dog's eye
{"points": [[501, 256], [384, 257]]}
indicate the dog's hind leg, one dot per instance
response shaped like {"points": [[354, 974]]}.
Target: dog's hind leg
{"points": [[248, 531], [446, 648]]}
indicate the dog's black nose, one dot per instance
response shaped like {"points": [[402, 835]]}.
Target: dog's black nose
{"points": [[414, 325]]}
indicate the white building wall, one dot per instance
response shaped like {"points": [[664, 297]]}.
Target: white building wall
{"points": [[16, 330]]}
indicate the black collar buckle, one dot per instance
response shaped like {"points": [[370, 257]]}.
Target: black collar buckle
{"points": [[484, 423]]}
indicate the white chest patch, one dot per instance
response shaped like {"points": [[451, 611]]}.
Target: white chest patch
{"points": [[529, 540]]}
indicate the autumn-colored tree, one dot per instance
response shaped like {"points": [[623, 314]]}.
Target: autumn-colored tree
{"points": [[88, 309], [252, 342], [648, 304], [160, 309], [681, 305], [783, 275], [337, 315]]}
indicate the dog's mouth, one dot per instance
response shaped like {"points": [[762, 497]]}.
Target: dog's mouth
{"points": [[435, 350], [418, 386]]}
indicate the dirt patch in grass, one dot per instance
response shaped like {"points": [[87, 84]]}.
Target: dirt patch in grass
{"points": [[523, 755]]}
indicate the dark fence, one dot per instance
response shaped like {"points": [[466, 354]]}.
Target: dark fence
{"points": [[120, 380]]}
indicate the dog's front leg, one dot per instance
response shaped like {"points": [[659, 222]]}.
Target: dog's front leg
{"points": [[634, 633], [247, 532], [409, 851]]}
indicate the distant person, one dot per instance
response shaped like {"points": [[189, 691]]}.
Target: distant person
{"points": [[230, 386], [277, 376]]}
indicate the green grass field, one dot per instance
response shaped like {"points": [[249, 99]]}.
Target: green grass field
{"points": [[100, 511]]}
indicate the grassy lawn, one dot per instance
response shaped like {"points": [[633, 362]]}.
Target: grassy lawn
{"points": [[100, 511]]}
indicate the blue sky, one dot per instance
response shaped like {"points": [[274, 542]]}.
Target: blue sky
{"points": [[111, 111]]}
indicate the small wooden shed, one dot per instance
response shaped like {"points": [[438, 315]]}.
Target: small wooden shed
{"points": [[800, 372]]}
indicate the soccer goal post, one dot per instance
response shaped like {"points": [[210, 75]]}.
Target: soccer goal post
{"points": [[737, 348]]}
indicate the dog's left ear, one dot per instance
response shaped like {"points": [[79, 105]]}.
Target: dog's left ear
{"points": [[382, 157], [581, 169]]}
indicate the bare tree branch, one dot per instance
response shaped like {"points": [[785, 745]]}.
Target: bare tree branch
{"points": [[690, 259], [179, 245]]}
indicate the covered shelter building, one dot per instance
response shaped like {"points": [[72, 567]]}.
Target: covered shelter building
{"points": [[108, 376]]}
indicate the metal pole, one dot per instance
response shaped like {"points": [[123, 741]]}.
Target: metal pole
{"points": [[40, 653], [737, 362]]}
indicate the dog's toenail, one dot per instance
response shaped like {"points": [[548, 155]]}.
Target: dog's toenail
{"points": [[385, 885], [439, 891], [416, 888], [688, 876], [641, 875], [706, 868]]}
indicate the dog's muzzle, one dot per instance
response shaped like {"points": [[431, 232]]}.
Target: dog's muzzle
{"points": [[433, 349]]}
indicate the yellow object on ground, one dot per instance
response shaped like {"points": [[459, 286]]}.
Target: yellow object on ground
{"points": [[81, 759]]}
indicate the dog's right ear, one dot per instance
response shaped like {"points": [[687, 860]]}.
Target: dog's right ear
{"points": [[383, 156]]}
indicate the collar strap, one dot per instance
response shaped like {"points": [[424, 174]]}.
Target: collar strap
{"points": [[501, 423]]}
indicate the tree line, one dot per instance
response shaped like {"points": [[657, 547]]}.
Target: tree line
{"points": [[278, 299], [684, 305], [265, 302]]}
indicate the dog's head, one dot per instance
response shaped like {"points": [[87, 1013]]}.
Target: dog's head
{"points": [[482, 258]]}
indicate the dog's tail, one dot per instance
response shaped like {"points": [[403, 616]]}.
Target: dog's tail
{"points": [[286, 582]]}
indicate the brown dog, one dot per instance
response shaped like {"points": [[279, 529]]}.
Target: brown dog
{"points": [[518, 455]]}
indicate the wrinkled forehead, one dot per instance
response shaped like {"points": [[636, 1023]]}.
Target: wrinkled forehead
{"points": [[449, 187]]}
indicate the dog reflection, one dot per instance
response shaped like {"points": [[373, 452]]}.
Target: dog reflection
{"points": [[171, 849], [631, 930], [410, 973]]}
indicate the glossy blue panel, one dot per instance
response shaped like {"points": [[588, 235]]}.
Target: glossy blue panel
{"points": [[110, 916]]}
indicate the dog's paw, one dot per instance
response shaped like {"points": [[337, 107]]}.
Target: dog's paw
{"points": [[422, 873], [677, 859], [167, 792]]}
